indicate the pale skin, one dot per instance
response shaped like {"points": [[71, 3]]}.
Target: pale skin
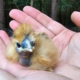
{"points": [[68, 43]]}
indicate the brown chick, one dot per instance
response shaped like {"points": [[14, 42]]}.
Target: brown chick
{"points": [[33, 49]]}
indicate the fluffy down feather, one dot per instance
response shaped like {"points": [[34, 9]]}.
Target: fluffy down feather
{"points": [[44, 55]]}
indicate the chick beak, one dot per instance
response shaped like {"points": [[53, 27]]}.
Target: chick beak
{"points": [[31, 50]]}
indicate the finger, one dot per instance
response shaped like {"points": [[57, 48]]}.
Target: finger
{"points": [[13, 24], [75, 17], [69, 71], [16, 69], [21, 73], [2, 46], [3, 61], [22, 17], [4, 37], [6, 76], [49, 76], [50, 24], [40, 75]]}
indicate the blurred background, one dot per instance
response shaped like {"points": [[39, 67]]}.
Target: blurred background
{"points": [[59, 10]]}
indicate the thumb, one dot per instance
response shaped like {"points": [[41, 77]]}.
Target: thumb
{"points": [[75, 17]]}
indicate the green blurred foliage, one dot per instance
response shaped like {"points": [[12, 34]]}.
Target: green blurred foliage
{"points": [[63, 4], [41, 5], [21, 3]]}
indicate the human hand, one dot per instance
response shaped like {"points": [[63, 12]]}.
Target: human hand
{"points": [[19, 72], [67, 42]]}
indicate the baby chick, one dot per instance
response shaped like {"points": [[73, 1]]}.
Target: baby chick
{"points": [[33, 49]]}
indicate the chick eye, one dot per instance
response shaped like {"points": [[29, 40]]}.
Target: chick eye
{"points": [[32, 43], [18, 45]]}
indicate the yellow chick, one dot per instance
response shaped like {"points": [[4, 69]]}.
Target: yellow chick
{"points": [[33, 49]]}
